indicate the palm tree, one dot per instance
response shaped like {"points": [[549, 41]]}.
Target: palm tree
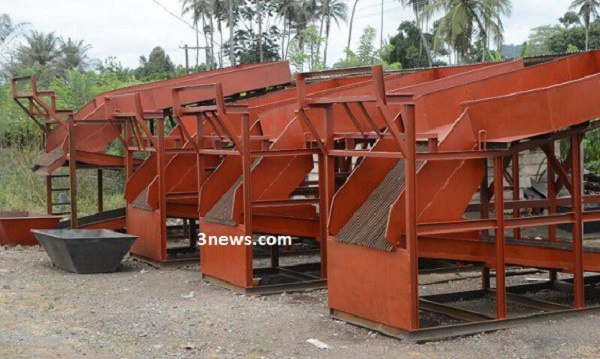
{"points": [[73, 55], [350, 29], [588, 9], [336, 10], [40, 48], [418, 6], [219, 11], [304, 14], [199, 9], [462, 19], [9, 31], [287, 10]]}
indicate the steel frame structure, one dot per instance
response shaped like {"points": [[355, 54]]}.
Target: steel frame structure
{"points": [[41, 107], [83, 136], [233, 266], [390, 279], [445, 126]]}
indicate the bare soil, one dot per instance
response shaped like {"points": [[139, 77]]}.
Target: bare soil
{"points": [[144, 312]]}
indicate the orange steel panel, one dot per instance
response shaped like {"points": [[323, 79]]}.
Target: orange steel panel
{"points": [[146, 224], [362, 183], [392, 81], [369, 283], [439, 108], [223, 178], [182, 210], [278, 177], [527, 114], [516, 254], [461, 78], [374, 284], [445, 187], [94, 137], [290, 226], [158, 96], [15, 227], [231, 263]]}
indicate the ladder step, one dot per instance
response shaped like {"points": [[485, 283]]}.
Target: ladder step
{"points": [[60, 189], [61, 203], [59, 176], [60, 213]]}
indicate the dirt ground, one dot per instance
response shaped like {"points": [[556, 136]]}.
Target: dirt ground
{"points": [[144, 312]]}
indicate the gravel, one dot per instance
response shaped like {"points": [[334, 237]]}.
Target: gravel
{"points": [[144, 312]]}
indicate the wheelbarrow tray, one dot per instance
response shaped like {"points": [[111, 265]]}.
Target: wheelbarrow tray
{"points": [[85, 251]]}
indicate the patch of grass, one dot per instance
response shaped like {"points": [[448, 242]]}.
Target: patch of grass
{"points": [[21, 189]]}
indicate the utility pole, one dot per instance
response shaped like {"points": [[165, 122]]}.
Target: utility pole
{"points": [[187, 48], [187, 58], [231, 24], [381, 43]]}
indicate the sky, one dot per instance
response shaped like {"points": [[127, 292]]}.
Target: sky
{"points": [[130, 28]]}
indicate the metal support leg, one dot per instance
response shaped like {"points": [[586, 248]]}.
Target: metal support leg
{"points": [[551, 179], [326, 186], [200, 167], [49, 196], [411, 213], [500, 260], [73, 173], [162, 186], [247, 192], [516, 187], [484, 199], [577, 183], [100, 191]]}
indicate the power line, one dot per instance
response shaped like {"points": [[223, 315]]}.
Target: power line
{"points": [[376, 5], [175, 15], [182, 20]]}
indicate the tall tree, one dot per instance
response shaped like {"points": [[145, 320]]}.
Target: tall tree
{"points": [[418, 6], [219, 8], [463, 19], [198, 9], [39, 48], [588, 10], [350, 29], [259, 19], [157, 66], [336, 10], [406, 48], [231, 24], [73, 56], [287, 11], [9, 31]]}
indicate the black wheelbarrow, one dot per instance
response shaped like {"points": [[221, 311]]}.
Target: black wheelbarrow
{"points": [[85, 251]]}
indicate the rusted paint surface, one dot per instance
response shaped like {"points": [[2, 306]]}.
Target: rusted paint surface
{"points": [[15, 227]]}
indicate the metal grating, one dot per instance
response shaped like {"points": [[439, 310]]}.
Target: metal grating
{"points": [[47, 160], [141, 202], [367, 226], [222, 211]]}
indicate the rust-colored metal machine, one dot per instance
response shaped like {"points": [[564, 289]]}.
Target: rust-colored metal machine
{"points": [[376, 171], [413, 203], [132, 117], [262, 187]]}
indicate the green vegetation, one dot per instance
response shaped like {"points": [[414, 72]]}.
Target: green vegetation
{"points": [[230, 32], [61, 66]]}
